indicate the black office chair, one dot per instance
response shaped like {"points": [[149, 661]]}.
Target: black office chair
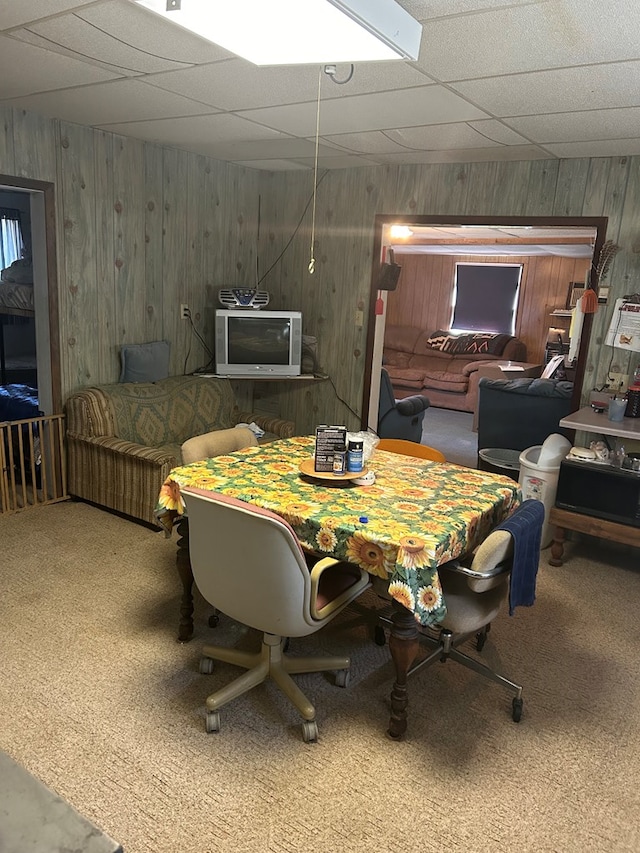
{"points": [[474, 590], [400, 418]]}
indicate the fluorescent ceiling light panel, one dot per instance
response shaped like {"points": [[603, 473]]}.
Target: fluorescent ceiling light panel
{"points": [[290, 32]]}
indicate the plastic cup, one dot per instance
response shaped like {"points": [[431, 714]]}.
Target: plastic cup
{"points": [[617, 409]]}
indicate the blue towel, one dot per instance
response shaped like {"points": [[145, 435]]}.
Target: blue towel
{"points": [[525, 527]]}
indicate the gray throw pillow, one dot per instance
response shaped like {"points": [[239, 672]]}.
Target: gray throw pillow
{"points": [[145, 362]]}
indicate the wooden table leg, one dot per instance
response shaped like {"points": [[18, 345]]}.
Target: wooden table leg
{"points": [[403, 645], [183, 564], [557, 546]]}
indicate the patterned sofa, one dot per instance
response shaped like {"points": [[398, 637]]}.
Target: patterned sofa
{"points": [[442, 365], [123, 439]]}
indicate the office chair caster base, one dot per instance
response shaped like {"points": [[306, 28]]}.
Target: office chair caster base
{"points": [[212, 721], [310, 731], [206, 666], [343, 676], [516, 714]]}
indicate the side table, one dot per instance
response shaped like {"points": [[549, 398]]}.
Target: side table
{"points": [[564, 519], [506, 370]]}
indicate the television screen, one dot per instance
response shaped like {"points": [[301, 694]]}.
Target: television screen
{"points": [[255, 343], [263, 339]]}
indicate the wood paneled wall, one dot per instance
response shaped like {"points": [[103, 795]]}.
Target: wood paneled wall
{"points": [[347, 203], [425, 292], [141, 229]]}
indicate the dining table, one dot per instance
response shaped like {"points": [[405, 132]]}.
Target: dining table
{"points": [[415, 516]]}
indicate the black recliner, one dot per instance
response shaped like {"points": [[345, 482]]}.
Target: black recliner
{"points": [[514, 414], [400, 418]]}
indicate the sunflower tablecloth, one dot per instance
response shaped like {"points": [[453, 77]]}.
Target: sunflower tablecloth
{"points": [[416, 516]]}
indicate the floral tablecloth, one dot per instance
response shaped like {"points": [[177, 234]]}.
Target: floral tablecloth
{"points": [[416, 516]]}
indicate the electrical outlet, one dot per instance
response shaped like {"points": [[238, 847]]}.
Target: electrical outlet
{"points": [[359, 318], [618, 381], [184, 311]]}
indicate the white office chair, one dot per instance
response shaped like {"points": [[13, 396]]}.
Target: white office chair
{"points": [[473, 594], [248, 563]]}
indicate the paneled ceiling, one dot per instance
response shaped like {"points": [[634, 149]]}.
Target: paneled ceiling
{"points": [[496, 80]]}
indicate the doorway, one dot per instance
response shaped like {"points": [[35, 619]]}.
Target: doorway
{"points": [[463, 231], [29, 309]]}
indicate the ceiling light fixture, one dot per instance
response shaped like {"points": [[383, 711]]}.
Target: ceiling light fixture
{"points": [[291, 32]]}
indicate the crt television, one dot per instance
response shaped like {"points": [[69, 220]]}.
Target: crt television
{"points": [[258, 343]]}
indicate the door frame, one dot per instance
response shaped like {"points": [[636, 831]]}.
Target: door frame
{"points": [[377, 298], [43, 226]]}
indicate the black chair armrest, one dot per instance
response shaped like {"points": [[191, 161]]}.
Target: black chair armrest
{"points": [[412, 405]]}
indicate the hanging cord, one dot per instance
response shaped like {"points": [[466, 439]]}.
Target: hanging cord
{"points": [[312, 261]]}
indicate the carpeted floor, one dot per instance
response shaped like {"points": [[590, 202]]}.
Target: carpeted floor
{"points": [[100, 702], [451, 432]]}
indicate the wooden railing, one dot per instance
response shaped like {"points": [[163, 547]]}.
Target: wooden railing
{"points": [[33, 469]]}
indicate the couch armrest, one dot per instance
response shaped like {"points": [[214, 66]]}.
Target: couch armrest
{"points": [[412, 405], [117, 474], [125, 448], [277, 426]]}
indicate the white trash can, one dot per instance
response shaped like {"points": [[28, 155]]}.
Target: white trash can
{"points": [[539, 469]]}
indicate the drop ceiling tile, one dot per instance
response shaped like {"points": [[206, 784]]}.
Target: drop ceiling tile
{"points": [[264, 149], [13, 14], [239, 85], [145, 32], [512, 40], [467, 155], [70, 35], [403, 108], [586, 125], [497, 132], [41, 70], [116, 101], [337, 161], [371, 142], [272, 165], [606, 148], [436, 137], [564, 90], [196, 131], [424, 10]]}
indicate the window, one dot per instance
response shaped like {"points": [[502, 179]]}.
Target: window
{"points": [[485, 297], [11, 245]]}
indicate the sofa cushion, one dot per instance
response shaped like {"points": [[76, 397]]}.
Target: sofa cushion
{"points": [[395, 358], [145, 362], [171, 411], [407, 377], [401, 338], [530, 387], [446, 381]]}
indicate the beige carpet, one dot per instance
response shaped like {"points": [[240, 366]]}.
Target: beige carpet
{"points": [[100, 702]]}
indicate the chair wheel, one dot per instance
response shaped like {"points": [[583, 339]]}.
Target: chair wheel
{"points": [[310, 731], [214, 619], [379, 636], [516, 714], [206, 666], [212, 721], [343, 677]]}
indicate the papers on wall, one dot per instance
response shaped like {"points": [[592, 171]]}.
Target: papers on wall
{"points": [[624, 329]]}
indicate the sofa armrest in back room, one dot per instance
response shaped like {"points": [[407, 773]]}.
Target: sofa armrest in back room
{"points": [[514, 414], [123, 439], [443, 365]]}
